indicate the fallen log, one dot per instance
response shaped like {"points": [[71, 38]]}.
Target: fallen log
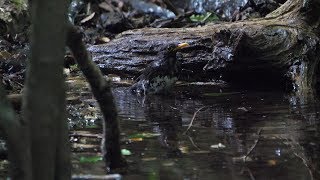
{"points": [[280, 49]]}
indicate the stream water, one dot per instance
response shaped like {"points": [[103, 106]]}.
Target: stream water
{"points": [[233, 134]]}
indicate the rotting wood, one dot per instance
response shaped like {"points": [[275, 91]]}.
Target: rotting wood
{"points": [[281, 49]]}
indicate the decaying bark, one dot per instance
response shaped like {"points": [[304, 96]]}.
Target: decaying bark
{"points": [[281, 49], [101, 89]]}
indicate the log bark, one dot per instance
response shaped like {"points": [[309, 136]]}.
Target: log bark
{"points": [[280, 49]]}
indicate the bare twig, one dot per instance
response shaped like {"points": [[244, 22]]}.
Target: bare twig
{"points": [[171, 7], [192, 142], [254, 145], [305, 162], [295, 146], [194, 116], [101, 89], [249, 172]]}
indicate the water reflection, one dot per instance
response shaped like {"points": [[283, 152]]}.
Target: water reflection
{"points": [[226, 8], [249, 135], [166, 119], [265, 135]]}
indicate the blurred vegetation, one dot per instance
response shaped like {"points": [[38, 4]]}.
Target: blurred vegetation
{"points": [[204, 18]]}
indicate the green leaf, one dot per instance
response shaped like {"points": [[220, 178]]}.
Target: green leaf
{"points": [[90, 159], [126, 152], [208, 17], [153, 176], [74, 67]]}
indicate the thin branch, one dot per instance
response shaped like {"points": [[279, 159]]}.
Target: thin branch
{"points": [[254, 145], [305, 162], [249, 172], [101, 89], [295, 146], [194, 116], [192, 142], [171, 7]]}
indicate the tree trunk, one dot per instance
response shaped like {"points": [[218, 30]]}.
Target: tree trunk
{"points": [[44, 96], [280, 49], [16, 134]]}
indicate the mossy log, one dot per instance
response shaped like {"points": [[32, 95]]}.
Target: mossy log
{"points": [[280, 49]]}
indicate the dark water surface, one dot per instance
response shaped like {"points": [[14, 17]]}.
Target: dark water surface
{"points": [[234, 135]]}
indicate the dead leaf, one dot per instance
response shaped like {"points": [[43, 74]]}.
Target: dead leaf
{"points": [[88, 18], [272, 162], [136, 139], [5, 55], [149, 159], [104, 39], [106, 7]]}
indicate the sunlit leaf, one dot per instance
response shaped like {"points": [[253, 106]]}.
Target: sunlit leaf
{"points": [[184, 149], [90, 159], [218, 146], [104, 39], [170, 163], [208, 17], [136, 139], [88, 18], [74, 67], [144, 135], [149, 159], [5, 55], [272, 162], [20, 5], [241, 159], [126, 152]]}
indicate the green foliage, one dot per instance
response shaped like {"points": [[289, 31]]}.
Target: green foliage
{"points": [[74, 68], [126, 152], [90, 159], [20, 5], [153, 175], [14, 15], [208, 17]]}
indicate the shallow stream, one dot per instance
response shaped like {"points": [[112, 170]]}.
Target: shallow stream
{"points": [[207, 134]]}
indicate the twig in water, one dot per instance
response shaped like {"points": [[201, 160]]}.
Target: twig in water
{"points": [[307, 164], [254, 145], [192, 142], [194, 116], [174, 108], [249, 172], [296, 148]]}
